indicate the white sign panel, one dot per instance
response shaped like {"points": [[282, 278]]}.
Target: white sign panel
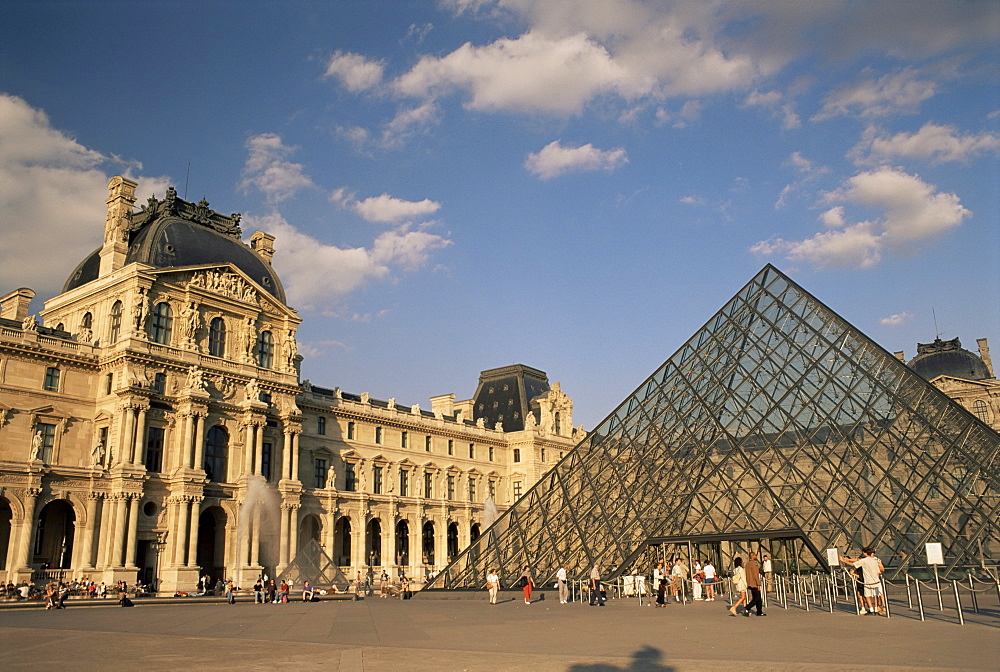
{"points": [[935, 555], [832, 557]]}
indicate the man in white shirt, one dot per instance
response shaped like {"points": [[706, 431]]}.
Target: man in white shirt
{"points": [[871, 572], [563, 587], [709, 570]]}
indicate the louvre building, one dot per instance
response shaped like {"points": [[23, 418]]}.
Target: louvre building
{"points": [[777, 426], [154, 426]]}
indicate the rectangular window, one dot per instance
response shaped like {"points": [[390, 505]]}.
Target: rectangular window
{"points": [[492, 454], [48, 432], [472, 451], [543, 454], [376, 480], [320, 473], [266, 451], [350, 477], [378, 435], [109, 383], [428, 485], [451, 446], [427, 444], [402, 439], [472, 490], [404, 483], [321, 425], [160, 383], [493, 488], [517, 454], [350, 430], [154, 449], [451, 487], [51, 379], [517, 489]]}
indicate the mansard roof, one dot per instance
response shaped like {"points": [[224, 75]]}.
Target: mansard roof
{"points": [[175, 233]]}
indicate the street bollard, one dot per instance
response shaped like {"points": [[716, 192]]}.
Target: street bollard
{"points": [[920, 600], [958, 603]]}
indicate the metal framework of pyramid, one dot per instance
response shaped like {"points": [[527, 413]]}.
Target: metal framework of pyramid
{"points": [[777, 416], [312, 564]]}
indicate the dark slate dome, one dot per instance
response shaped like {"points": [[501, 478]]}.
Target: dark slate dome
{"points": [[947, 358], [174, 233]]}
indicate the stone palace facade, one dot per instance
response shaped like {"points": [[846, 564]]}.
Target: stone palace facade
{"points": [[154, 425]]}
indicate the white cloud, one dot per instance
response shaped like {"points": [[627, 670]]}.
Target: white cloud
{"points": [[555, 159], [897, 93], [896, 320], [355, 72], [933, 142], [52, 210], [267, 169], [777, 104], [384, 208], [692, 200], [318, 276], [913, 213], [408, 121]]}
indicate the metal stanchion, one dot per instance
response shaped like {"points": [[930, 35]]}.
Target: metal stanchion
{"points": [[832, 587], [805, 593], [885, 597], [972, 590], [937, 584], [909, 598], [920, 600], [958, 603], [857, 603]]}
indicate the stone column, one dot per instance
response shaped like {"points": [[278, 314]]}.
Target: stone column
{"points": [[104, 533], [127, 443], [87, 555], [295, 456], [286, 454], [180, 531], [119, 544], [258, 460], [283, 536], [133, 521], [192, 549], [138, 446], [26, 536], [293, 536], [248, 446], [255, 538], [185, 442], [199, 444]]}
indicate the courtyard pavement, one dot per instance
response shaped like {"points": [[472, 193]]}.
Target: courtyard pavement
{"points": [[426, 635]]}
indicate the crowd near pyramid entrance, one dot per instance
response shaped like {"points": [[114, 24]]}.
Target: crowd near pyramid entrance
{"points": [[777, 423]]}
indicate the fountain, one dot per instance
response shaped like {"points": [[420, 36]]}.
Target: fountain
{"points": [[257, 531]]}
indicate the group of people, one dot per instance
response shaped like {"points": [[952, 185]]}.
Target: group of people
{"points": [[28, 589], [673, 579], [526, 582]]}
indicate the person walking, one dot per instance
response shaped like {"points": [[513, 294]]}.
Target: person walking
{"points": [[660, 581], [596, 596], [739, 585], [753, 585], [493, 584], [561, 580], [527, 583]]}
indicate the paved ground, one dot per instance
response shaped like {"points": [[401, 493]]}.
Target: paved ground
{"points": [[442, 635]]}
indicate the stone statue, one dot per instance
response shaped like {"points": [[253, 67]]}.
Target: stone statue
{"points": [[191, 320], [30, 323], [85, 336], [291, 349], [364, 480], [331, 478], [249, 339], [392, 403], [139, 310], [97, 454], [530, 420], [37, 441], [253, 390], [196, 380]]}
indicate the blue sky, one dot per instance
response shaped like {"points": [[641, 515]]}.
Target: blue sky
{"points": [[574, 185]]}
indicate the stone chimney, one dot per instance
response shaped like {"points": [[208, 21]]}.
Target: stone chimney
{"points": [[121, 200], [984, 354], [443, 403], [14, 306], [263, 244], [900, 356]]}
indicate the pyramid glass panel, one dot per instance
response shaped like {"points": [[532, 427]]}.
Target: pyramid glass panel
{"points": [[777, 421]]}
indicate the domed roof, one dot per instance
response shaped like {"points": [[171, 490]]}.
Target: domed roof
{"points": [[174, 233], [947, 358]]}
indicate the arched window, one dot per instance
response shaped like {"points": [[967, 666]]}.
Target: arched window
{"points": [[265, 350], [981, 410], [163, 319], [427, 543], [558, 423], [217, 337], [216, 448], [87, 322], [116, 322]]}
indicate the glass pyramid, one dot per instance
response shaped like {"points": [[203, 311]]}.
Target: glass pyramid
{"points": [[312, 564], [776, 419]]}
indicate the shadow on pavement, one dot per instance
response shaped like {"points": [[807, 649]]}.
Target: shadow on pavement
{"points": [[646, 659]]}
